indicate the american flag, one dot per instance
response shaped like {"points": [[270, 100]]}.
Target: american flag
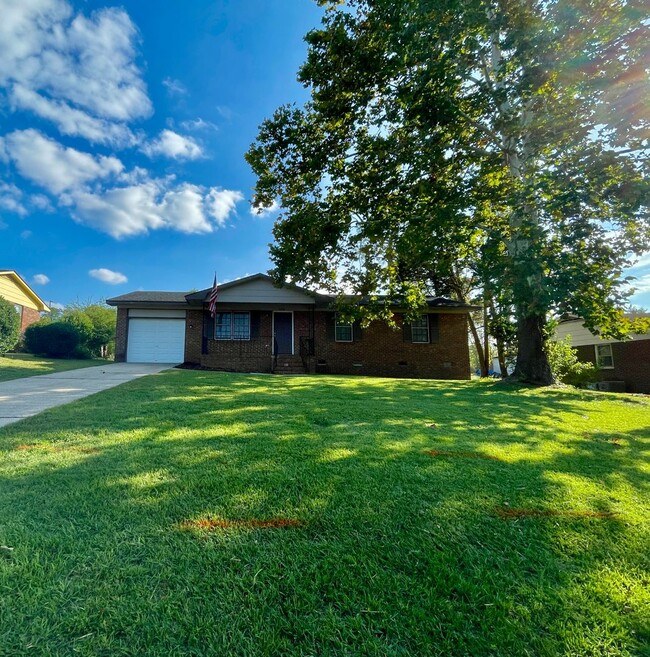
{"points": [[212, 301]]}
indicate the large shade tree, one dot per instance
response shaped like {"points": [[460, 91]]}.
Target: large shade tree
{"points": [[504, 140]]}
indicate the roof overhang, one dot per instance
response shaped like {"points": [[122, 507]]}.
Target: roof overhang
{"points": [[41, 305]]}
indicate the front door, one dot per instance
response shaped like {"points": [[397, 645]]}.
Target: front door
{"points": [[283, 333]]}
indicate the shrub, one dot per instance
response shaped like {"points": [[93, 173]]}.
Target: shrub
{"points": [[566, 367], [96, 326], [9, 326], [54, 339]]}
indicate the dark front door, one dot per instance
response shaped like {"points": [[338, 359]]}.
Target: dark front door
{"points": [[283, 332]]}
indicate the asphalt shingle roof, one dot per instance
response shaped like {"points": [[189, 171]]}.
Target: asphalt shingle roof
{"points": [[148, 297]]}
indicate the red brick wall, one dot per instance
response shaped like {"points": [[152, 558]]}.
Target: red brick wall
{"points": [[381, 351], [193, 336], [253, 355], [631, 364], [27, 317], [121, 329]]}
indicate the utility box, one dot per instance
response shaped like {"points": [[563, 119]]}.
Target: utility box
{"points": [[611, 386]]}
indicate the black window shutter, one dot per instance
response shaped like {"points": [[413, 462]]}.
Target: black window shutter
{"points": [[434, 328], [357, 331], [406, 332], [330, 326], [255, 324]]}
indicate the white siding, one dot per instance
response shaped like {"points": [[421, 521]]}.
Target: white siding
{"points": [[581, 335], [262, 291]]}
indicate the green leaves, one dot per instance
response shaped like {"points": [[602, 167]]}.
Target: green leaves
{"points": [[9, 326], [508, 141]]}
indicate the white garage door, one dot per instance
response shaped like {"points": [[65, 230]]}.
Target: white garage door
{"points": [[156, 341]]}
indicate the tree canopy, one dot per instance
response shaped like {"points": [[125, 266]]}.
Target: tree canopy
{"points": [[504, 140]]}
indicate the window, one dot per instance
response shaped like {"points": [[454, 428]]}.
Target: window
{"points": [[343, 331], [420, 330], [604, 357], [232, 326]]}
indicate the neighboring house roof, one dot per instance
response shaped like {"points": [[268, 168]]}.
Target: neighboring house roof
{"points": [[15, 289], [260, 289]]}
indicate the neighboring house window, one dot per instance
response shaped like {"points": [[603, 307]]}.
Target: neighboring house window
{"points": [[343, 331], [232, 326], [604, 357], [420, 330]]}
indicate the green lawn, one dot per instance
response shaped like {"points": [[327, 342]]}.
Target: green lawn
{"points": [[202, 513], [18, 366]]}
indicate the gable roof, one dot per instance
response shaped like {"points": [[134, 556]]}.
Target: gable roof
{"points": [[321, 299], [18, 280], [263, 282], [202, 295]]}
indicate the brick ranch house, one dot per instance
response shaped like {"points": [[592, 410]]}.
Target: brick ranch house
{"points": [[27, 303], [626, 364], [262, 328]]}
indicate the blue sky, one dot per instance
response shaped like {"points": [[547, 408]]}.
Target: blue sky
{"points": [[123, 129], [122, 139]]}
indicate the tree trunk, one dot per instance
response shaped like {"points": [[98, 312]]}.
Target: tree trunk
{"points": [[486, 341], [478, 345], [532, 362], [501, 355]]}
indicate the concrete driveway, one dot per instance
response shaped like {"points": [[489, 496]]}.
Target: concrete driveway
{"points": [[22, 398]]}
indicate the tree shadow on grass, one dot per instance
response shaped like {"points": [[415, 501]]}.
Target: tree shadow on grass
{"points": [[400, 553]]}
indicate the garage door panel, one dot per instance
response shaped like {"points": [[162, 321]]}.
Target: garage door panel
{"points": [[156, 341]]}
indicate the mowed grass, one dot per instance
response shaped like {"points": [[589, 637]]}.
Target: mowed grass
{"points": [[203, 513], [18, 366]]}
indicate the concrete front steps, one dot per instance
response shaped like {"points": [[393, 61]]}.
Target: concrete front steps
{"points": [[289, 365]]}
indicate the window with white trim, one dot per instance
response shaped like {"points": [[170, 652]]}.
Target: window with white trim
{"points": [[604, 356], [420, 330], [232, 326], [343, 331]]}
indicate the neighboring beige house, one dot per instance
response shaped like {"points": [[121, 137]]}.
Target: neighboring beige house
{"points": [[28, 304], [625, 362]]}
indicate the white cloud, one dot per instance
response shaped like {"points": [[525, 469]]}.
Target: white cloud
{"points": [[56, 306], [641, 263], [77, 71], [221, 203], [198, 124], [26, 234], [11, 199], [171, 144], [225, 112], [151, 205], [40, 279], [174, 87], [41, 202], [641, 284], [108, 276], [260, 211], [71, 121], [53, 166], [80, 73]]}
